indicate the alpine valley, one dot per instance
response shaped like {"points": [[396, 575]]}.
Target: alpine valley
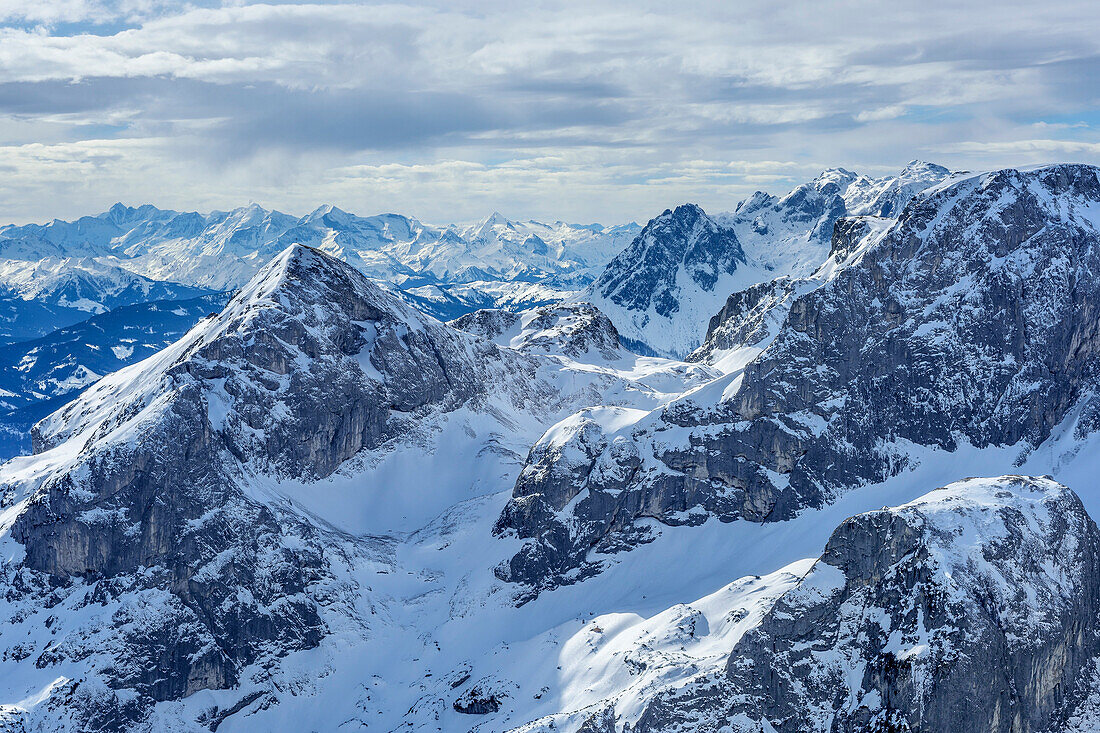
{"points": [[823, 463]]}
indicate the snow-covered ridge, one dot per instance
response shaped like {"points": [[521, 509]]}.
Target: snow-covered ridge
{"points": [[37, 376], [303, 304], [286, 519], [38, 296], [661, 291]]}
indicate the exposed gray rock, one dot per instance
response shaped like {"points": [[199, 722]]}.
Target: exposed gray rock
{"points": [[344, 361], [577, 330], [476, 701], [749, 317], [974, 318], [754, 316], [644, 275], [657, 279], [975, 607], [488, 323]]}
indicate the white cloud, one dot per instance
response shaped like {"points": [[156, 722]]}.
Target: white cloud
{"points": [[591, 109], [1023, 147]]}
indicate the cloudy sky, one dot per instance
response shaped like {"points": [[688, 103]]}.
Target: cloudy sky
{"points": [[586, 111]]}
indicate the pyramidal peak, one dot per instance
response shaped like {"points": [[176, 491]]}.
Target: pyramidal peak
{"points": [[495, 219], [302, 308], [329, 212]]}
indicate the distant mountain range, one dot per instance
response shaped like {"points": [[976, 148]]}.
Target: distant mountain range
{"points": [[660, 284], [42, 295], [222, 250]]}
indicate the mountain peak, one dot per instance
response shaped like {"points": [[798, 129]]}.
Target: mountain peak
{"points": [[302, 278], [922, 168], [247, 215], [841, 177], [495, 219], [119, 212], [683, 213], [330, 212]]}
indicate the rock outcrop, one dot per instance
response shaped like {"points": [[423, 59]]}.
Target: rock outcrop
{"points": [[576, 330], [975, 607]]}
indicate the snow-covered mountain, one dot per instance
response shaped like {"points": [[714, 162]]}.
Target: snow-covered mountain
{"points": [[203, 460], [322, 509], [661, 290], [39, 376], [222, 250], [41, 295], [57, 275], [944, 613], [966, 322]]}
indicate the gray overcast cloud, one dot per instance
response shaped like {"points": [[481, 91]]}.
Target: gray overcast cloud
{"points": [[587, 111]]}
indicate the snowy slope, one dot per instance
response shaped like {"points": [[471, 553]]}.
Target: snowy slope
{"points": [[790, 234], [752, 317]]}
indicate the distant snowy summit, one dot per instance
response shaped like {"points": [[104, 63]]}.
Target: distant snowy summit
{"points": [[223, 249]]}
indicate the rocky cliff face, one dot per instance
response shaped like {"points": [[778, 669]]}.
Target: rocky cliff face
{"points": [[974, 607], [654, 288], [971, 319], [752, 318]]}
